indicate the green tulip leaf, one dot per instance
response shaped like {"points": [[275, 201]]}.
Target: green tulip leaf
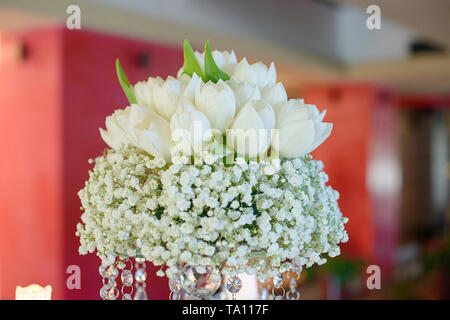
{"points": [[212, 71], [123, 80], [191, 64]]}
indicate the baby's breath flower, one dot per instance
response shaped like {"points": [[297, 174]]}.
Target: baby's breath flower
{"points": [[209, 213]]}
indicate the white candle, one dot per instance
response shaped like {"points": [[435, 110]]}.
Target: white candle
{"points": [[34, 292]]}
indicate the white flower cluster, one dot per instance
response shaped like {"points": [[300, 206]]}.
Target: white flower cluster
{"points": [[267, 217], [250, 109]]}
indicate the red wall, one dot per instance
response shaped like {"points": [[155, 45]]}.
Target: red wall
{"points": [[31, 186], [363, 119], [51, 106]]}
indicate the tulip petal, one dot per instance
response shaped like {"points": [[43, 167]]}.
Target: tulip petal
{"points": [[107, 138], [322, 132], [294, 139]]}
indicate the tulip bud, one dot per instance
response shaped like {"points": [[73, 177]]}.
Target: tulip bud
{"points": [[143, 91], [153, 136], [298, 129], [190, 84], [138, 126], [274, 94], [116, 133], [256, 74], [190, 129], [250, 134], [217, 102], [244, 92], [165, 96]]}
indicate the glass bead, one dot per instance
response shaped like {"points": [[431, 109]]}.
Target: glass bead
{"points": [[127, 296], [102, 271], [277, 281], [104, 292], [140, 275], [234, 284], [174, 284], [112, 272], [127, 278], [200, 281], [140, 294], [113, 293]]}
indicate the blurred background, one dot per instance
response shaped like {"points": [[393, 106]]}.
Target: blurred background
{"points": [[386, 90]]}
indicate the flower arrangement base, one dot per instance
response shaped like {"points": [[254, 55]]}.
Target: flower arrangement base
{"points": [[193, 283], [209, 175]]}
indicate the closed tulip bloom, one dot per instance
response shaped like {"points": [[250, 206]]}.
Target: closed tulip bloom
{"points": [[116, 133], [153, 136], [256, 74], [138, 126], [189, 85], [274, 94], [298, 129], [250, 134], [165, 96], [190, 129], [217, 102], [244, 92], [143, 91]]}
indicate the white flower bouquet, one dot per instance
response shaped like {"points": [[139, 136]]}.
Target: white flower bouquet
{"points": [[212, 168]]}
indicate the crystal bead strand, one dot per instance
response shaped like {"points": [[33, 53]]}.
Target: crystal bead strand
{"points": [[109, 274], [293, 294], [278, 284], [234, 284], [127, 280], [175, 286], [140, 276]]}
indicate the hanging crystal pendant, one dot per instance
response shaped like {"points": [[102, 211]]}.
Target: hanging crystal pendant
{"points": [[140, 276], [174, 286], [234, 285], [140, 294], [127, 296], [293, 294], [127, 280], [109, 274], [278, 285], [200, 281]]}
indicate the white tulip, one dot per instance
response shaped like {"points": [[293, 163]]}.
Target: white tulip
{"points": [[117, 132], [143, 91], [155, 139], [224, 60], [298, 128], [141, 127], [265, 76], [165, 96], [274, 94], [250, 133], [244, 92], [217, 102], [322, 130], [190, 129], [190, 84], [256, 74]]}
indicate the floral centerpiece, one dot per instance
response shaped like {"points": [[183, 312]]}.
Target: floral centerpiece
{"points": [[212, 169]]}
